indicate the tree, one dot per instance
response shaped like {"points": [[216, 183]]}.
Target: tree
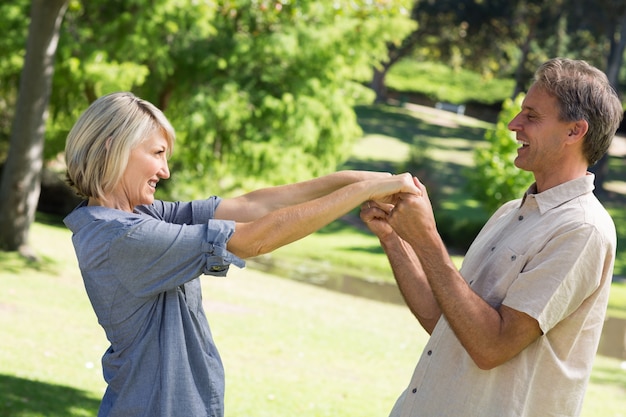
{"points": [[274, 99], [474, 34], [19, 190]]}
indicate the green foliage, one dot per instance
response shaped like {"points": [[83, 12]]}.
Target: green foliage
{"points": [[495, 179], [274, 99], [259, 91], [120, 45], [14, 24]]}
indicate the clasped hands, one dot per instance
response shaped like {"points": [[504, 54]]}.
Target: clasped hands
{"points": [[405, 214]]}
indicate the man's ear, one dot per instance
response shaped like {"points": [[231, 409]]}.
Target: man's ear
{"points": [[577, 130]]}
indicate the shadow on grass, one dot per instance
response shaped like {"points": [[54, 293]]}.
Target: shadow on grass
{"points": [[14, 263], [403, 124], [49, 219], [22, 397]]}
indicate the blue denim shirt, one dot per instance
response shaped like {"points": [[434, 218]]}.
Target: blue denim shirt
{"points": [[141, 275]]}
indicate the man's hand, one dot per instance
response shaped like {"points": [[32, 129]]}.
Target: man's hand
{"points": [[412, 215], [374, 215]]}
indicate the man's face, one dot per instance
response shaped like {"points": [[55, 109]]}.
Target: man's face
{"points": [[541, 134]]}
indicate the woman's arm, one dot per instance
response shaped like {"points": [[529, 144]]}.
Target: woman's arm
{"points": [[256, 204], [288, 224]]}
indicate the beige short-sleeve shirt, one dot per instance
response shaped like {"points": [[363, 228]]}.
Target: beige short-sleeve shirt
{"points": [[549, 255]]}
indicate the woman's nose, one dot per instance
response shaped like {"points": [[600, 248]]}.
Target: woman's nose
{"points": [[165, 171]]}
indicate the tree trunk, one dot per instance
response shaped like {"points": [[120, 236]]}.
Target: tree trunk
{"points": [[378, 84], [521, 76], [20, 186], [616, 53]]}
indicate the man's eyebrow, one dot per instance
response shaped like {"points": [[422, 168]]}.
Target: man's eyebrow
{"points": [[529, 108]]}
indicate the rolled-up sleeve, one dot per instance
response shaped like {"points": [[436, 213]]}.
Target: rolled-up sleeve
{"points": [[219, 232]]}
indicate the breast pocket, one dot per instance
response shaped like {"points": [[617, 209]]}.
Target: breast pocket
{"points": [[497, 274]]}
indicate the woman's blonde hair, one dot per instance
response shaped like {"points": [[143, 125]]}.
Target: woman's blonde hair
{"points": [[99, 144]]}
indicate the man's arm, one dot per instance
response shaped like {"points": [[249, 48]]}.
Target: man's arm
{"points": [[406, 267], [490, 335]]}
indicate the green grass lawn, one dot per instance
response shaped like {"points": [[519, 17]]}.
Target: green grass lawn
{"points": [[441, 82], [51, 342], [288, 348]]}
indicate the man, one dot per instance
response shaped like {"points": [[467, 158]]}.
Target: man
{"points": [[515, 331]]}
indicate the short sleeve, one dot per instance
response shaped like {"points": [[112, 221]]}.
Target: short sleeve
{"points": [[557, 280]]}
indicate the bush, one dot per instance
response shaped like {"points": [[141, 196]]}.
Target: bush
{"points": [[458, 232]]}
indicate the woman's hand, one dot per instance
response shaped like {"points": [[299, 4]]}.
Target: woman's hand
{"points": [[388, 190]]}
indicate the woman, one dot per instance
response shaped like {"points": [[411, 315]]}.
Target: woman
{"points": [[140, 258]]}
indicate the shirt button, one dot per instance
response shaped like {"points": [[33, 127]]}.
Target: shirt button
{"points": [[414, 390], [430, 352], [493, 248], [520, 218], [513, 257]]}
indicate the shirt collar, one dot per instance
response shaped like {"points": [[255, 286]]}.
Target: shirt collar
{"points": [[560, 194]]}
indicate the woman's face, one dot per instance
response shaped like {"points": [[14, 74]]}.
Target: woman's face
{"points": [[147, 164]]}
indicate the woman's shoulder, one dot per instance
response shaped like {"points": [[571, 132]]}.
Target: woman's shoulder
{"points": [[85, 215], [182, 212]]}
